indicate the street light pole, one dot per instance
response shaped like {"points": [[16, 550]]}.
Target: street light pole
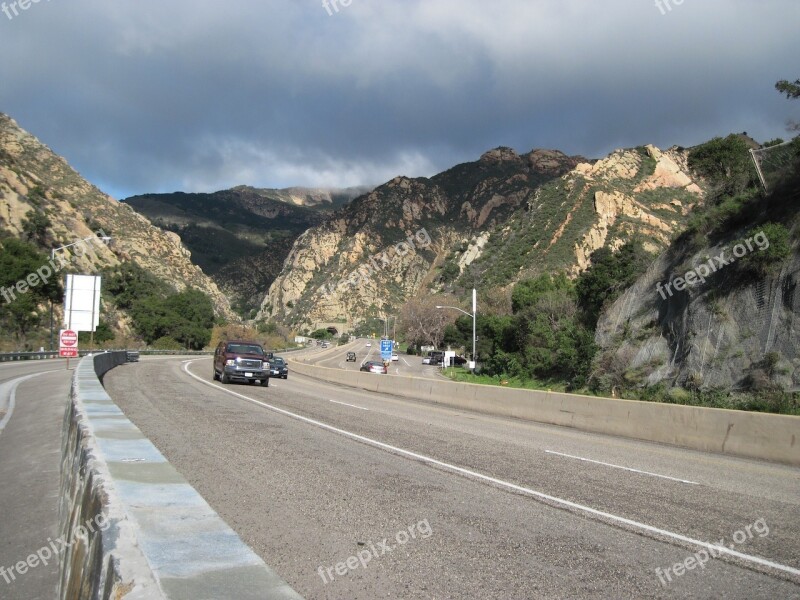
{"points": [[474, 315]]}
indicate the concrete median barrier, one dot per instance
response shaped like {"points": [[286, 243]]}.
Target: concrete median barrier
{"points": [[746, 434], [132, 527]]}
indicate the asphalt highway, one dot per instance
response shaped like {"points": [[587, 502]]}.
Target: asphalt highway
{"points": [[407, 365], [33, 398], [350, 494]]}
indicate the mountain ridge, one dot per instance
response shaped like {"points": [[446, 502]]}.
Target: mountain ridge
{"points": [[38, 186], [240, 236], [466, 209]]}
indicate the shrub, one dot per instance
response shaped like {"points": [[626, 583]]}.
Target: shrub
{"points": [[166, 343], [725, 164], [761, 262]]}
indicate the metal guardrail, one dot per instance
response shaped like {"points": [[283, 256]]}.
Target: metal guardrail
{"points": [[15, 356]]}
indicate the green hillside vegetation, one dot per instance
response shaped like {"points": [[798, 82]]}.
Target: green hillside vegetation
{"points": [[23, 314], [164, 318], [548, 340], [158, 313]]}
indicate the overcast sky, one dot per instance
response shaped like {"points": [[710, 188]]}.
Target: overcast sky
{"points": [[156, 96]]}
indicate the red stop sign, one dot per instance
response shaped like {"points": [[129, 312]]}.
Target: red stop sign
{"points": [[69, 338]]}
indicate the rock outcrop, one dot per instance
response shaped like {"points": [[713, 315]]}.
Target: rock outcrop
{"points": [[490, 223], [33, 179]]}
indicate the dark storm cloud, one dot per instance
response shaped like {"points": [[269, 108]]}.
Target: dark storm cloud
{"points": [[158, 96]]}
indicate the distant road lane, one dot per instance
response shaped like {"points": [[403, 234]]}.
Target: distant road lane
{"points": [[307, 497], [336, 358]]}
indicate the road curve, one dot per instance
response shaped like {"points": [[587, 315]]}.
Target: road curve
{"points": [[312, 475], [406, 365]]}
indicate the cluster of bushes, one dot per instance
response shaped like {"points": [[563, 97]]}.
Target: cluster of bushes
{"points": [[322, 334], [549, 337], [23, 313], [773, 401], [164, 318]]}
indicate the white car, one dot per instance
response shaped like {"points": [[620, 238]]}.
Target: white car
{"points": [[395, 358], [369, 344], [426, 360]]}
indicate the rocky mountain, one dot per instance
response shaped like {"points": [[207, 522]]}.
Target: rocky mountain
{"points": [[489, 223], [38, 185], [241, 237], [641, 191], [719, 309], [321, 198]]}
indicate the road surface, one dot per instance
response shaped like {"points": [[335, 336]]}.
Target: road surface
{"points": [[322, 480]]}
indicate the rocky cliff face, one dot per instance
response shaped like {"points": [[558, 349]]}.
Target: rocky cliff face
{"points": [[714, 334], [657, 219], [491, 223], [33, 179], [241, 237], [702, 319], [641, 191], [387, 245]]}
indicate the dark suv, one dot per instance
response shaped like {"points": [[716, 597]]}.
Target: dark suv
{"points": [[279, 368], [238, 360]]}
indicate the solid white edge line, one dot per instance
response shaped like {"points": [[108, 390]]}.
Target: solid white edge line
{"points": [[12, 396], [597, 462], [350, 405], [517, 488]]}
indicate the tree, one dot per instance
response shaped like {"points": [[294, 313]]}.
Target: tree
{"points": [[186, 317], [422, 323], [792, 90], [20, 312], [450, 272], [547, 334], [129, 284], [495, 301], [609, 274], [725, 163], [528, 291], [774, 245], [193, 313], [371, 326], [35, 225], [103, 333]]}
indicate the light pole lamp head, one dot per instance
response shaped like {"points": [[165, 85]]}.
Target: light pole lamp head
{"points": [[440, 307]]}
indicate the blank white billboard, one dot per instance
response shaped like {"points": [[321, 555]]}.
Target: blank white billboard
{"points": [[82, 302]]}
